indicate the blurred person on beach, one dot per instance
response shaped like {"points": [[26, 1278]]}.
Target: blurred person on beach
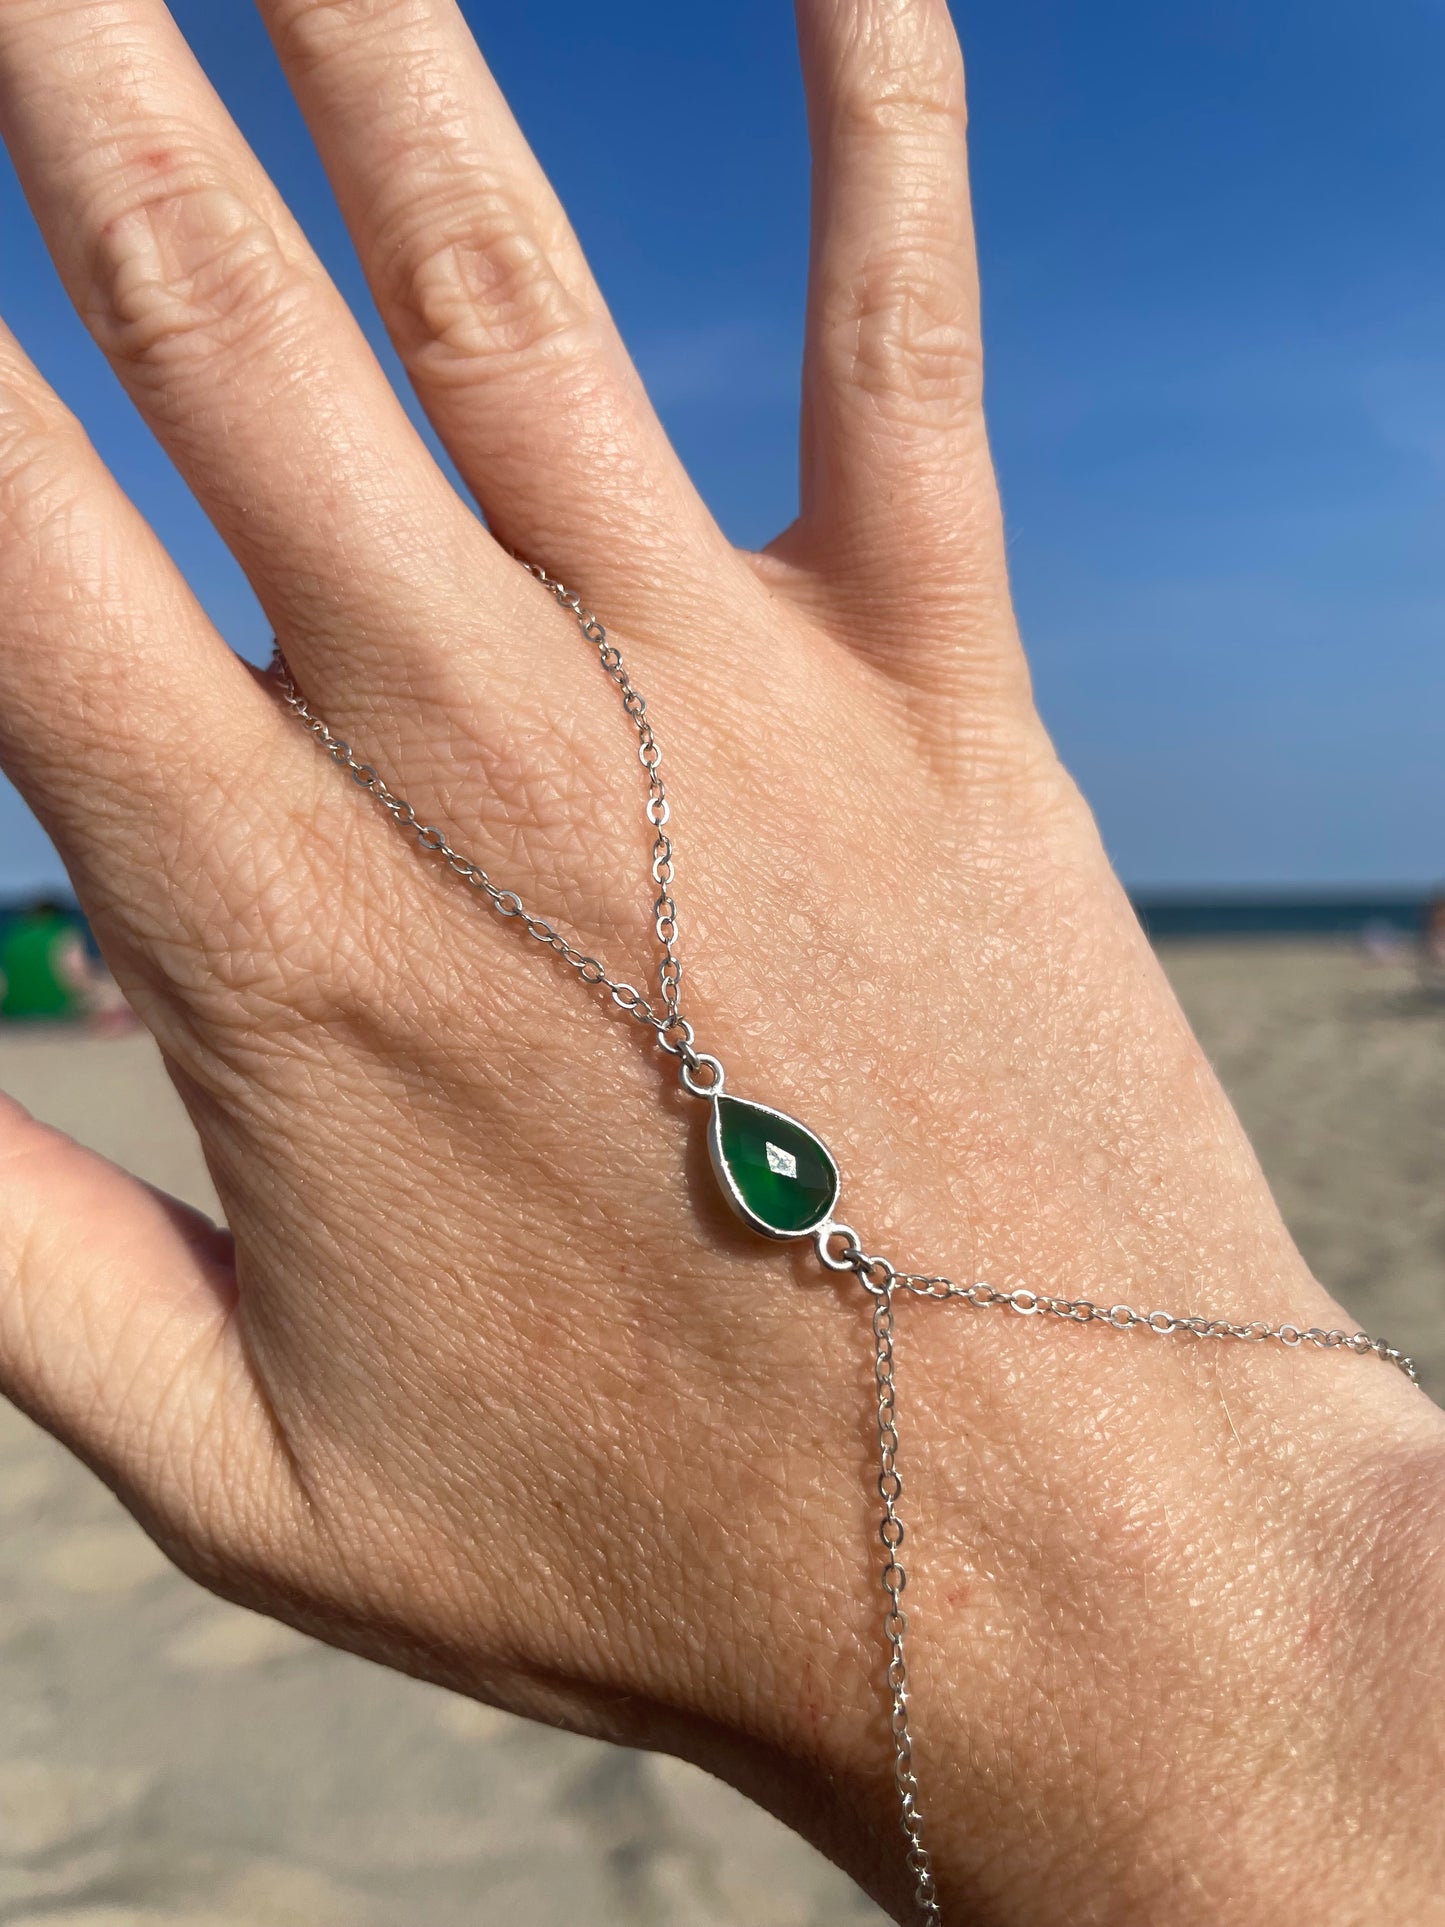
{"points": [[48, 974], [475, 1380], [44, 970], [1382, 943]]}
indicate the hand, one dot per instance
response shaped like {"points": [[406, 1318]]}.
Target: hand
{"points": [[489, 1386]]}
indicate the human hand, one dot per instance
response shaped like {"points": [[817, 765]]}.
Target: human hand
{"points": [[490, 1387]]}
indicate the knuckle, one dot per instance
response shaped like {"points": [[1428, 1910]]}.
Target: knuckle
{"points": [[905, 70], [916, 344], [310, 33], [182, 266], [470, 288], [902, 105]]}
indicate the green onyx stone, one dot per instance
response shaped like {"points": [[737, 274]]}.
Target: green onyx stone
{"points": [[775, 1173]]}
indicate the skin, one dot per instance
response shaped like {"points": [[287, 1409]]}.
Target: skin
{"points": [[489, 1385]]}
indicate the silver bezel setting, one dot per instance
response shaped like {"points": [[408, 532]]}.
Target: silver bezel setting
{"points": [[725, 1177]]}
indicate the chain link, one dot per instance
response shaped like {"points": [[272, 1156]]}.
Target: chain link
{"points": [[838, 1246]]}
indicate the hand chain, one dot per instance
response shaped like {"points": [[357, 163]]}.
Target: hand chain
{"points": [[837, 1245]]}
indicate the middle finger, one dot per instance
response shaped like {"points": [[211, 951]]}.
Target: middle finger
{"points": [[222, 324], [484, 288]]}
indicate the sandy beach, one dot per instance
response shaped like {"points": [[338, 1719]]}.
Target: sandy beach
{"points": [[168, 1761]]}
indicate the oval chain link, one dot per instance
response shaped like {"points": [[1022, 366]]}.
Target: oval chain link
{"points": [[702, 1075]]}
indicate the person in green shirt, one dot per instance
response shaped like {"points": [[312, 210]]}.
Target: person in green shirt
{"points": [[44, 970]]}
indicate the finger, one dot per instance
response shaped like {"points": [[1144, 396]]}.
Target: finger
{"points": [[117, 1333], [124, 719], [899, 508], [240, 353], [486, 294]]}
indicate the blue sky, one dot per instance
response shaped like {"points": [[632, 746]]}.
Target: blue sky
{"points": [[1214, 261]]}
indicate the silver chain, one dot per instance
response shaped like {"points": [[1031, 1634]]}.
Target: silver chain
{"points": [[673, 1031], [878, 1275], [895, 1620], [838, 1246]]}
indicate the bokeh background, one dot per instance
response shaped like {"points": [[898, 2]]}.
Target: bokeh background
{"points": [[1215, 308]]}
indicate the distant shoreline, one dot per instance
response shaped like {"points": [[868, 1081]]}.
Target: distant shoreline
{"points": [[1282, 912], [1277, 913]]}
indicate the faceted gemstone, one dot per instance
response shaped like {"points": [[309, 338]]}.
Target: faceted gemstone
{"points": [[774, 1171]]}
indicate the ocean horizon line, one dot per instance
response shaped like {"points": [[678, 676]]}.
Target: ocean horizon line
{"points": [[1174, 910], [1295, 910]]}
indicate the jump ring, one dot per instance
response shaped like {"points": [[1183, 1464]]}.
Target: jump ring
{"points": [[823, 1238], [691, 1065]]}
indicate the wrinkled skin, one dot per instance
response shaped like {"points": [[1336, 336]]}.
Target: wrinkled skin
{"points": [[490, 1386]]}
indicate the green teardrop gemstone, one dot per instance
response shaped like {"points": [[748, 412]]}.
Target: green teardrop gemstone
{"points": [[775, 1173]]}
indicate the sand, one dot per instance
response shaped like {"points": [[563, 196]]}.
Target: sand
{"points": [[1338, 1071], [168, 1761]]}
